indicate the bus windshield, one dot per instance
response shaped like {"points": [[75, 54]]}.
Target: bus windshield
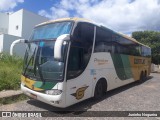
{"points": [[51, 31], [39, 62]]}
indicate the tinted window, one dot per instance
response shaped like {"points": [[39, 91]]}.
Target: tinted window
{"points": [[75, 63], [146, 51], [81, 48], [122, 45], [103, 41], [51, 31]]}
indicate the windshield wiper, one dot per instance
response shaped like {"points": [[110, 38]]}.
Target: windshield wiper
{"points": [[29, 61], [35, 64], [39, 68]]}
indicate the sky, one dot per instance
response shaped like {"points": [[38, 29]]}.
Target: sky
{"points": [[124, 16]]}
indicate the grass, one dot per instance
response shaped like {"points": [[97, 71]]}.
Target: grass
{"points": [[10, 72]]}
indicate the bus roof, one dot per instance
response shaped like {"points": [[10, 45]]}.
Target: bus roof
{"points": [[65, 19], [89, 21]]}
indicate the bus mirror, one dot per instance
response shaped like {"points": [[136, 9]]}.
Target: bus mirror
{"points": [[58, 46]]}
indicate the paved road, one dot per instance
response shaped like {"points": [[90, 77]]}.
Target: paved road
{"points": [[132, 97]]}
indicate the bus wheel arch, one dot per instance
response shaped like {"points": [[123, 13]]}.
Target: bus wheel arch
{"points": [[100, 88]]}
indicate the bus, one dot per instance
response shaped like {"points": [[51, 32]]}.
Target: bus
{"points": [[72, 59]]}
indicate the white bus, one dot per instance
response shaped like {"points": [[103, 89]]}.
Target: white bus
{"points": [[70, 60]]}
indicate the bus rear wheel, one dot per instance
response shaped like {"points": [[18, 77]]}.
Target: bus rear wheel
{"points": [[99, 89], [142, 77], [145, 76]]}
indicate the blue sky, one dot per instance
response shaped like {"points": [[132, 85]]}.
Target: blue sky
{"points": [[123, 16], [36, 5]]}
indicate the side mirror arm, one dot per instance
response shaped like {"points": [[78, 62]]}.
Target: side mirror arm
{"points": [[58, 46], [16, 42]]}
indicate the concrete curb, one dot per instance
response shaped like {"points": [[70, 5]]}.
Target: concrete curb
{"points": [[11, 95]]}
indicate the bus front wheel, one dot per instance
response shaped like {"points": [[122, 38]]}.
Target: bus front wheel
{"points": [[100, 89]]}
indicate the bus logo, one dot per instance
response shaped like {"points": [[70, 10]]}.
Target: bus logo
{"points": [[139, 61], [100, 61], [80, 93]]}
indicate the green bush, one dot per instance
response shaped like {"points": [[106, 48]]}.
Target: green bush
{"points": [[10, 72]]}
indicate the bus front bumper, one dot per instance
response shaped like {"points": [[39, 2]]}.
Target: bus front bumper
{"points": [[54, 100]]}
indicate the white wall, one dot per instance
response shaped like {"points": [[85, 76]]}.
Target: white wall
{"points": [[25, 21], [29, 21], [20, 25], [15, 23], [19, 49], [1, 43], [4, 19]]}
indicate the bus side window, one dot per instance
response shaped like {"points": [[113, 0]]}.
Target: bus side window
{"points": [[81, 48], [103, 41], [146, 51], [75, 64]]}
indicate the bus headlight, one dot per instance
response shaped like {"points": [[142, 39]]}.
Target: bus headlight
{"points": [[53, 92]]}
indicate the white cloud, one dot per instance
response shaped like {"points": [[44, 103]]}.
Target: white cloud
{"points": [[44, 13], [59, 13], [121, 15], [8, 5], [55, 13]]}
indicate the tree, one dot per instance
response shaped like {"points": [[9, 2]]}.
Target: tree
{"points": [[152, 39]]}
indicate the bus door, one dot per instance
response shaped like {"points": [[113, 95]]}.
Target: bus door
{"points": [[79, 79]]}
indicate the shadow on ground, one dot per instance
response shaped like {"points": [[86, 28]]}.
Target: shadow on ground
{"points": [[85, 105]]}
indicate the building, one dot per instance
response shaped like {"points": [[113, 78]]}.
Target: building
{"points": [[15, 26]]}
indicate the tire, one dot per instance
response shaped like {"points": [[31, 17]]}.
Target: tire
{"points": [[142, 77], [145, 76], [99, 90]]}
